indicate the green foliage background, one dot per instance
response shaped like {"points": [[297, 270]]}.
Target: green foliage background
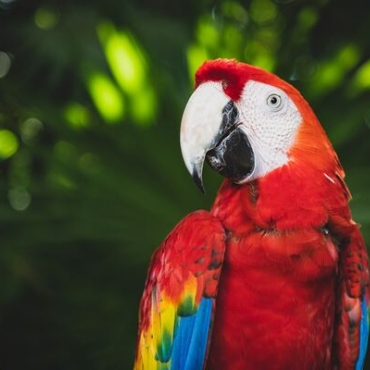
{"points": [[91, 174]]}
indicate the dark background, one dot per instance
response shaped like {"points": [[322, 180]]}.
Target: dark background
{"points": [[91, 174]]}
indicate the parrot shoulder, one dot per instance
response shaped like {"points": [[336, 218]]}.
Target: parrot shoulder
{"points": [[177, 307]]}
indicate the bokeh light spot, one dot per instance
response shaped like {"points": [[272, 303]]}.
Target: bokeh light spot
{"points": [[128, 64], [263, 11], [361, 80], [46, 18], [106, 96], [307, 18], [30, 129], [124, 56], [19, 199], [330, 73], [6, 4], [235, 11], [77, 116], [8, 144], [5, 64], [207, 33]]}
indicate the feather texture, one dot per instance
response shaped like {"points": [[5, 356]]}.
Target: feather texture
{"points": [[179, 299]]}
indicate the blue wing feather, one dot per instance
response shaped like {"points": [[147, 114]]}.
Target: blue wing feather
{"points": [[199, 340], [364, 334], [191, 339], [182, 340]]}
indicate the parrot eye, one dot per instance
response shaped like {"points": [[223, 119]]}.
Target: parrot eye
{"points": [[274, 101]]}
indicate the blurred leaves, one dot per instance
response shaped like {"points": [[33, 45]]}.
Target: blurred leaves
{"points": [[91, 174]]}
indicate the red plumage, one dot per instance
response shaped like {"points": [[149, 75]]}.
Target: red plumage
{"points": [[295, 269], [279, 277]]}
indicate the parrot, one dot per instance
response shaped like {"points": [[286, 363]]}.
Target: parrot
{"points": [[275, 275]]}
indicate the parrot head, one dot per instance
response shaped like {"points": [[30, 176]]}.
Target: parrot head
{"points": [[246, 122]]}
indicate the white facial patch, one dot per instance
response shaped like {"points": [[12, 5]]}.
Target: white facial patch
{"points": [[270, 119]]}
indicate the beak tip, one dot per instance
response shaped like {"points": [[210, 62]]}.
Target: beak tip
{"points": [[198, 181]]}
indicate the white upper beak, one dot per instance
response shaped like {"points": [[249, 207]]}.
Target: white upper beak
{"points": [[200, 126]]}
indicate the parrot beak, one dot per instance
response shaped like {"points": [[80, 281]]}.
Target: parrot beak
{"points": [[200, 126], [210, 130]]}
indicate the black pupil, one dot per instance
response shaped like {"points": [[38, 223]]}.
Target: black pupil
{"points": [[274, 100]]}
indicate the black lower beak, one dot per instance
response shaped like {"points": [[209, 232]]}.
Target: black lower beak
{"points": [[233, 156]]}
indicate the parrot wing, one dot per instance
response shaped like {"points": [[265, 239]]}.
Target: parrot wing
{"points": [[177, 307], [353, 329]]}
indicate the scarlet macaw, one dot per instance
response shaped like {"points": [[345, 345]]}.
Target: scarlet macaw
{"points": [[276, 275]]}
